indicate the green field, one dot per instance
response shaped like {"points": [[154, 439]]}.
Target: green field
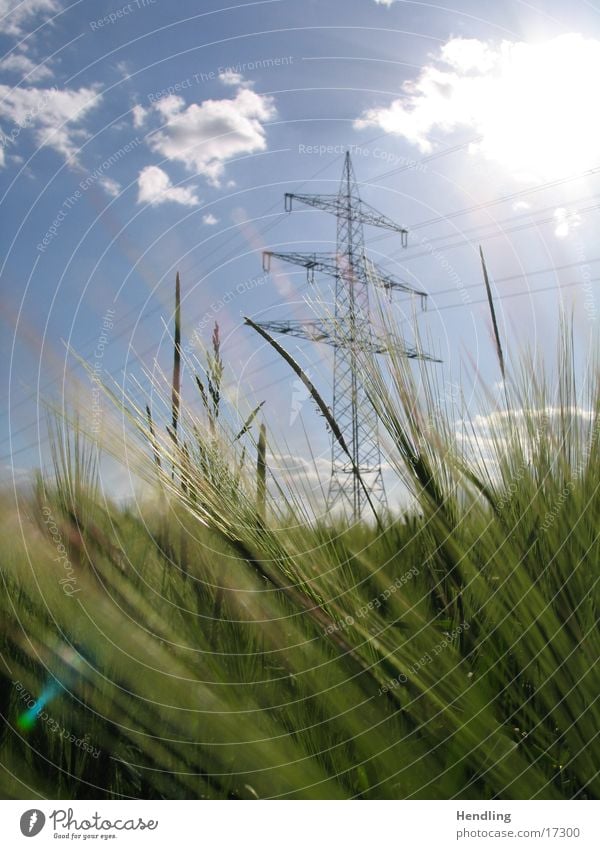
{"points": [[218, 640]]}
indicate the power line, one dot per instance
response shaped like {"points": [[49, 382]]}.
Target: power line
{"points": [[504, 232], [478, 207], [519, 217]]}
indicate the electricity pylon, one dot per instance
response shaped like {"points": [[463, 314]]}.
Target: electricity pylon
{"points": [[350, 332]]}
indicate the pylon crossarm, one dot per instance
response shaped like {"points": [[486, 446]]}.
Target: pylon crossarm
{"points": [[369, 215], [328, 330], [410, 353], [360, 211], [313, 329], [329, 203], [325, 262], [381, 278]]}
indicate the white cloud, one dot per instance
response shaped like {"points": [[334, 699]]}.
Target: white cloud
{"points": [[210, 220], [500, 422], [483, 437], [139, 115], [123, 69], [205, 136], [385, 2], [54, 115], [521, 206], [16, 15], [531, 104], [25, 67], [467, 55], [565, 222], [298, 471], [231, 78], [110, 186], [155, 187]]}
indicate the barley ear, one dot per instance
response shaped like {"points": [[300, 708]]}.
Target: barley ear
{"points": [[176, 390], [493, 314], [261, 473], [153, 441]]}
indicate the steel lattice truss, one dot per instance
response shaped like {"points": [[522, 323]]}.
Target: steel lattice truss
{"points": [[329, 263], [328, 331], [350, 332]]}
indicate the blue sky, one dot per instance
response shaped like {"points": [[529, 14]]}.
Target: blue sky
{"points": [[147, 137]]}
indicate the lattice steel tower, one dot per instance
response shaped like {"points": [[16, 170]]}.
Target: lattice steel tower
{"points": [[350, 332]]}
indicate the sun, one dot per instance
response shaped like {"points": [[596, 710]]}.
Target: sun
{"points": [[536, 110], [531, 105]]}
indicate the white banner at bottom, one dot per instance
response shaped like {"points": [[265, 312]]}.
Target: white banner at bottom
{"points": [[301, 824]]}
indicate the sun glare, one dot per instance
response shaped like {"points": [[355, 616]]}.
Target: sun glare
{"points": [[531, 104], [538, 108]]}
